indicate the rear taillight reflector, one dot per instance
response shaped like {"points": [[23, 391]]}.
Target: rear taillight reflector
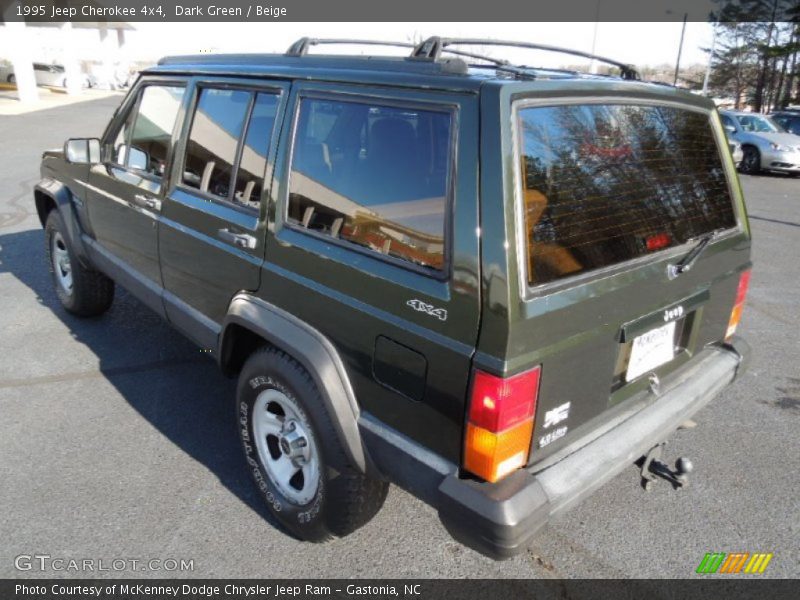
{"points": [[500, 423], [738, 306]]}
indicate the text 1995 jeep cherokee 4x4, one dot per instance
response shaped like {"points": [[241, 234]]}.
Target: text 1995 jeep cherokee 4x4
{"points": [[494, 285]]}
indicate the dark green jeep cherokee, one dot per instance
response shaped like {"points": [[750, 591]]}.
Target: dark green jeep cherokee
{"points": [[493, 285]]}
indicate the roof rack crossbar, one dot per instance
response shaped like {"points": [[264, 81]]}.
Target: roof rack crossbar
{"points": [[301, 46], [432, 48], [495, 61], [500, 64]]}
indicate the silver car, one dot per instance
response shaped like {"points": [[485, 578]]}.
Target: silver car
{"points": [[50, 75], [765, 144]]}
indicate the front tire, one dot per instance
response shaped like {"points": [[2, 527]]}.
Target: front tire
{"points": [[294, 454], [751, 161], [81, 291]]}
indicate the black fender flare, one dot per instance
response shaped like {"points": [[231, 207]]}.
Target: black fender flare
{"points": [[317, 355], [62, 198]]}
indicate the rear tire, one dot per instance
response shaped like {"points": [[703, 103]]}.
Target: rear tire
{"points": [[751, 161], [81, 291], [294, 454]]}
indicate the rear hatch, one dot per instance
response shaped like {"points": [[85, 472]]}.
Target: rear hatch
{"points": [[610, 196]]}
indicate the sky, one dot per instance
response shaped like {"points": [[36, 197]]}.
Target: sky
{"points": [[636, 43]]}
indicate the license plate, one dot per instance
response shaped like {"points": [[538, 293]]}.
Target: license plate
{"points": [[650, 350]]}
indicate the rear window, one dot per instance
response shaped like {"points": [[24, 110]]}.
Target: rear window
{"points": [[602, 184]]}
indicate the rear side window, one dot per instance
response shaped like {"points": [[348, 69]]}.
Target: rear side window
{"points": [[214, 138], [373, 175], [250, 174], [602, 184], [226, 154]]}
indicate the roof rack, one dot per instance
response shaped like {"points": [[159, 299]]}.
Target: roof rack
{"points": [[432, 48], [301, 46]]}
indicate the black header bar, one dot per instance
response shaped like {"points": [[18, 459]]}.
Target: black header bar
{"points": [[734, 588], [116, 11]]}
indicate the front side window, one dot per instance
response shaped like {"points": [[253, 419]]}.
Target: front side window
{"points": [[758, 124], [602, 184], [150, 139], [373, 175], [119, 151]]}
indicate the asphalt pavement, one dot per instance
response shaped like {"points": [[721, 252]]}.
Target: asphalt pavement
{"points": [[117, 436]]}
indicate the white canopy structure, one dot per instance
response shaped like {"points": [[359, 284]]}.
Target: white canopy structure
{"points": [[111, 41]]}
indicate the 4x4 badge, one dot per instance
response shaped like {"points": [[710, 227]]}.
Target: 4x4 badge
{"points": [[420, 306]]}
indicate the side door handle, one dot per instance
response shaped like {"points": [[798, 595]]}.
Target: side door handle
{"points": [[143, 201], [240, 240]]}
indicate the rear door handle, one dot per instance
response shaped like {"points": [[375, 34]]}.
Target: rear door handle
{"points": [[147, 202], [240, 240]]}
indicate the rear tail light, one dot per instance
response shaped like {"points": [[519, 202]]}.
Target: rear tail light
{"points": [[500, 423], [736, 313]]}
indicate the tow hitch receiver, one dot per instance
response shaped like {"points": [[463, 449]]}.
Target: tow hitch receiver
{"points": [[652, 467]]}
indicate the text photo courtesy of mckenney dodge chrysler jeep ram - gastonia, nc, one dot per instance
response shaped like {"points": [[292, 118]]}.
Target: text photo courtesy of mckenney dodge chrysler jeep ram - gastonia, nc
{"points": [[495, 286]]}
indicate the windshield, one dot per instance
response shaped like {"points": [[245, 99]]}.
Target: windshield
{"points": [[602, 184], [759, 124]]}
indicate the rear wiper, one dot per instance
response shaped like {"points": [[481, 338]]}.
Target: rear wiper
{"points": [[687, 261]]}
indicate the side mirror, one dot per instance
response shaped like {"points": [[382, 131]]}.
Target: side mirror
{"points": [[730, 128], [138, 158], [82, 151]]}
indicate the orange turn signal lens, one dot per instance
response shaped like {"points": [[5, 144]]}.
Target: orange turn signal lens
{"points": [[492, 456], [736, 313], [736, 316]]}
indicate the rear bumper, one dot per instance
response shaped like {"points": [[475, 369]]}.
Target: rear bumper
{"points": [[500, 519]]}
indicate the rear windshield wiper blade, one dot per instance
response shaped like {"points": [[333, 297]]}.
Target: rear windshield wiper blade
{"points": [[687, 261]]}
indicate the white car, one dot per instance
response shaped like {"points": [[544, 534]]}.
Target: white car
{"points": [[52, 75]]}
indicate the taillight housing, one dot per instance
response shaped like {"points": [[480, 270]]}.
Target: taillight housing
{"points": [[738, 305], [500, 423]]}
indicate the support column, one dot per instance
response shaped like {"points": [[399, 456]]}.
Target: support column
{"points": [[71, 66], [21, 58], [108, 47], [121, 68]]}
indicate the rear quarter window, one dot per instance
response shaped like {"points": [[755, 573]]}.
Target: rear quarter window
{"points": [[373, 175], [603, 184]]}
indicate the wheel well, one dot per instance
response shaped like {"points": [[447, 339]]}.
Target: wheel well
{"points": [[238, 344], [44, 204]]}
